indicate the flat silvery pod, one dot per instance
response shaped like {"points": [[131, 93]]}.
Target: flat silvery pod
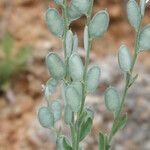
{"points": [[56, 109], [51, 85], [99, 24], [124, 58], [75, 43], [73, 13], [112, 99], [46, 117], [73, 98], [55, 66], [59, 2], [144, 41], [86, 38], [55, 22], [76, 67], [134, 15], [93, 77], [47, 93], [78, 87], [68, 115], [82, 6], [143, 5], [69, 42]]}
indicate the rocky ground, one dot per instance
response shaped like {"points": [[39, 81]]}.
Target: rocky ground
{"points": [[19, 128]]}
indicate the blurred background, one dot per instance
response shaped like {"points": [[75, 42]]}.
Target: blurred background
{"points": [[24, 43]]}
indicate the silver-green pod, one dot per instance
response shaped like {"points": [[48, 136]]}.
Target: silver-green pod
{"points": [[55, 22], [76, 67], [93, 77], [55, 66], [99, 24]]}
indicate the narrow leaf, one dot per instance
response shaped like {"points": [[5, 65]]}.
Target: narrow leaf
{"points": [[133, 12], [46, 117], [76, 67], [112, 99], [55, 66], [142, 5], [85, 128], [55, 22], [93, 76], [102, 141], [99, 24], [124, 58], [145, 38]]}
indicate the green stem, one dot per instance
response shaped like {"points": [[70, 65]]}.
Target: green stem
{"points": [[127, 81]]}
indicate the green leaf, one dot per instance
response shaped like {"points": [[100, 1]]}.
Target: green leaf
{"points": [[46, 117], [99, 24], [73, 98], [86, 38], [73, 13], [93, 76], [82, 6], [59, 2], [7, 43], [124, 58], [144, 39], [134, 15], [102, 141], [68, 115], [63, 143], [76, 67], [112, 99], [121, 123], [55, 66], [55, 22], [69, 42], [85, 128], [23, 55], [56, 109]]}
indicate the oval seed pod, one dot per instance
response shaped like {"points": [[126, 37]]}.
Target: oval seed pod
{"points": [[73, 13], [73, 98], [69, 42], [99, 24], [82, 6], [56, 109], [78, 87], [93, 76], [124, 58], [46, 117], [112, 99], [144, 41], [55, 66], [134, 15], [55, 22], [59, 2], [51, 84], [68, 115], [75, 43], [86, 38], [76, 67]]}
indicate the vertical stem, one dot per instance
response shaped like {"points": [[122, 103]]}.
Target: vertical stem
{"points": [[127, 81]]}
